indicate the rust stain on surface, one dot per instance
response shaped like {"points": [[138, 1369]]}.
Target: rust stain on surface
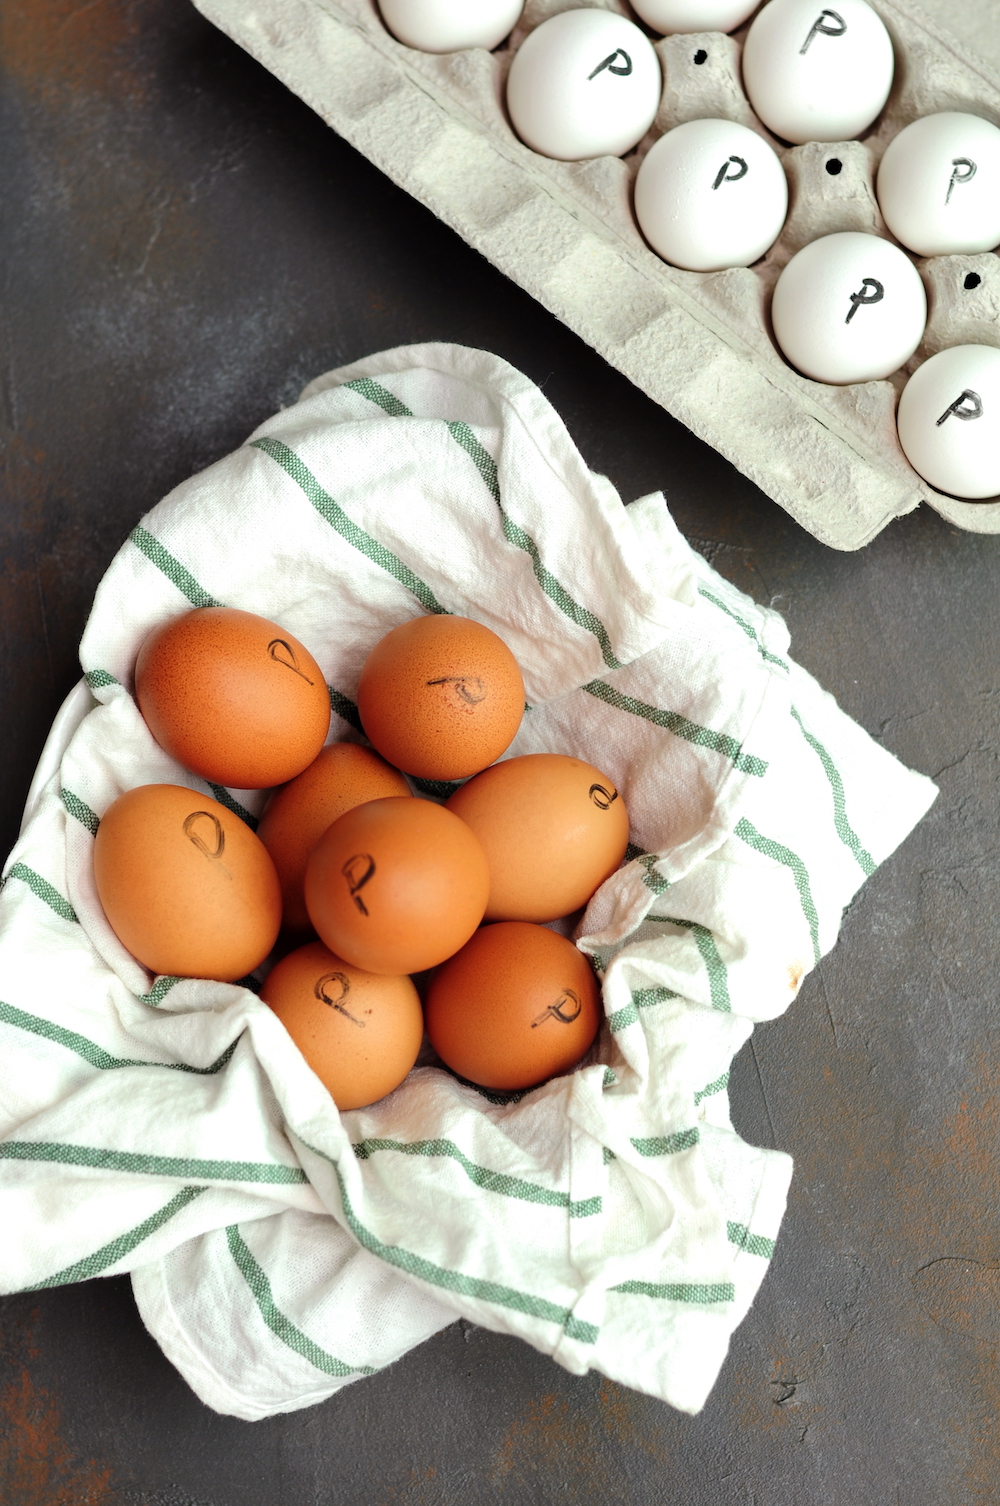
{"points": [[37, 1467], [551, 1438], [69, 45]]}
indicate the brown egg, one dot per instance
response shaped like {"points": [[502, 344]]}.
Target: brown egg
{"points": [[553, 829], [518, 1004], [297, 815], [185, 884], [441, 697], [360, 1032], [396, 885], [232, 697]]}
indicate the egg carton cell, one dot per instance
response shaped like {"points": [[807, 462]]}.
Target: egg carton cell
{"points": [[698, 343]]}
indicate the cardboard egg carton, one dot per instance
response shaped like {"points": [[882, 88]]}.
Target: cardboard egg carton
{"points": [[700, 344]]}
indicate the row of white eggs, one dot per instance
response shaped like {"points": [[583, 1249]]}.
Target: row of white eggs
{"points": [[586, 83], [712, 194]]}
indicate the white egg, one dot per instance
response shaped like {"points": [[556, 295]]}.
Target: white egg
{"points": [[939, 185], [585, 83], [450, 25], [849, 308], [711, 194], [949, 421], [673, 16], [817, 74]]}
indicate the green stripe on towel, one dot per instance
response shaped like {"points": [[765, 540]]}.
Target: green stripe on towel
{"points": [[679, 1291], [667, 1145], [481, 1176], [117, 1249], [718, 980], [746, 626], [90, 1051], [481, 458], [843, 827], [779, 853], [268, 1172], [43, 890], [753, 1244], [345, 526], [276, 1321], [680, 726], [172, 568], [457, 1281], [642, 998], [80, 810]]}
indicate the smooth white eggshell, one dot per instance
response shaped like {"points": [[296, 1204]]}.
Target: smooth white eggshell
{"points": [[450, 25], [828, 331], [928, 196], [711, 194], [809, 85], [565, 101], [675, 16], [949, 421]]}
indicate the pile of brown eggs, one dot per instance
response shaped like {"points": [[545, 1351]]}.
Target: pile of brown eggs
{"points": [[391, 884]]}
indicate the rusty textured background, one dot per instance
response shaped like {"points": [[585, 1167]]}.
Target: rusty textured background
{"points": [[184, 245]]}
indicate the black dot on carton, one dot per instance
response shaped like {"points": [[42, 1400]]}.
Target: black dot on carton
{"points": [[972, 280], [701, 56], [834, 166]]}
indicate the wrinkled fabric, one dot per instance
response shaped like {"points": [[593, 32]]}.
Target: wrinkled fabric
{"points": [[169, 1127]]}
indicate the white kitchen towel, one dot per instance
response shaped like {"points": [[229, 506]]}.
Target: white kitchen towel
{"points": [[169, 1127]]}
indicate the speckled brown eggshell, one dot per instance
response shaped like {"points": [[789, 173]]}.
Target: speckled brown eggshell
{"points": [[441, 697], [517, 1005], [233, 697], [340, 777], [553, 829], [185, 884], [396, 885], [360, 1032]]}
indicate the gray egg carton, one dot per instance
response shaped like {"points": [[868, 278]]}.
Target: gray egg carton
{"points": [[699, 344]]}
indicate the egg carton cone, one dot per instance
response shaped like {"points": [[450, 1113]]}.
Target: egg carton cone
{"points": [[699, 344]]}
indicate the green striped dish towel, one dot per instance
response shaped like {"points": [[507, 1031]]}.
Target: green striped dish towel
{"points": [[168, 1127]]}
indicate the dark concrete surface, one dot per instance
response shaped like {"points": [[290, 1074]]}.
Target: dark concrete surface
{"points": [[184, 245]]}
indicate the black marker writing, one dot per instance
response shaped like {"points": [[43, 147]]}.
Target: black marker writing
{"points": [[974, 410], [857, 299], [963, 170], [218, 834], [283, 653], [357, 871], [555, 1011], [602, 797], [326, 986], [622, 69], [818, 28], [725, 176], [468, 688]]}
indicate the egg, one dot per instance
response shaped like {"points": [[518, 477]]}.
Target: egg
{"points": [[711, 194], [939, 184], [553, 828], [585, 83], [849, 308], [186, 886], [450, 25], [518, 1004], [949, 421], [360, 1032], [817, 74], [296, 816], [671, 17], [441, 697], [233, 697], [396, 885]]}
